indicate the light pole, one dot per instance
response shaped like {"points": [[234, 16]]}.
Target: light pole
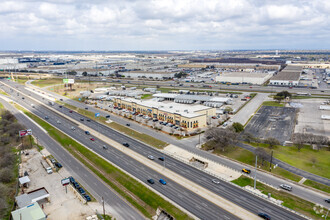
{"points": [[255, 173]]}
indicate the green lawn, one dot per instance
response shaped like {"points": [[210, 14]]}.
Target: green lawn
{"points": [[146, 96], [147, 201], [289, 200], [47, 82], [272, 103], [3, 93], [317, 185], [248, 157]]}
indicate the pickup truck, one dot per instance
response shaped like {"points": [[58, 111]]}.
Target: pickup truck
{"points": [[46, 166]]}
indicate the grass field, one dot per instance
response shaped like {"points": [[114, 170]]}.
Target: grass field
{"points": [[317, 185], [303, 159], [147, 201], [124, 129], [273, 103], [289, 200], [47, 82], [248, 157], [146, 96], [3, 93]]}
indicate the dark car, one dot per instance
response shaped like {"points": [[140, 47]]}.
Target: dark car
{"points": [[72, 180], [161, 158], [107, 116], [61, 99], [60, 106], [70, 111], [58, 164], [87, 132], [151, 181], [23, 98], [154, 120], [82, 119], [128, 124], [88, 119], [327, 200], [86, 108], [76, 185], [82, 191], [264, 216], [88, 199], [162, 181], [126, 144], [46, 117]]}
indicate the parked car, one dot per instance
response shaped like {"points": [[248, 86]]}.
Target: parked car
{"points": [[58, 165], [72, 180], [215, 181], [246, 171], [161, 158], [76, 185], [88, 198], [151, 181], [162, 181], [82, 191], [92, 139], [126, 144], [264, 216], [52, 160], [151, 157], [286, 187]]}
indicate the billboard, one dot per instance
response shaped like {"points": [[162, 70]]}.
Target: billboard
{"points": [[65, 181], [23, 133], [68, 81]]}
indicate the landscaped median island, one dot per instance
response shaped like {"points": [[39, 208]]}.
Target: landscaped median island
{"points": [[147, 139], [290, 201], [141, 197], [47, 82]]}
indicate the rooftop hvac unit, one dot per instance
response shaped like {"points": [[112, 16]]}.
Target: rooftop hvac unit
{"points": [[171, 106], [186, 110]]}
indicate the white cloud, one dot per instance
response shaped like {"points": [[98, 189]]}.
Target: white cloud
{"points": [[157, 24]]}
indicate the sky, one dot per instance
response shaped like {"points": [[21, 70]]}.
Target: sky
{"points": [[164, 24]]}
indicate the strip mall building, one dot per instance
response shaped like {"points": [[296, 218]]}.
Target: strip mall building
{"points": [[189, 117]]}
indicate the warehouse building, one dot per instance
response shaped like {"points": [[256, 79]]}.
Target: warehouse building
{"points": [[289, 76], [257, 78], [148, 75], [189, 117]]}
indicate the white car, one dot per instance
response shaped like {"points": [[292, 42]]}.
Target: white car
{"points": [[58, 122], [73, 128], [215, 181], [151, 157], [286, 187]]}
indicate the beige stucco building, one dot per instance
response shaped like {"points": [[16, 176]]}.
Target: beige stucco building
{"points": [[189, 117]]}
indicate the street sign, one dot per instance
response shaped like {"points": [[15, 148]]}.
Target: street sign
{"points": [[23, 133], [65, 181], [97, 115], [68, 81]]}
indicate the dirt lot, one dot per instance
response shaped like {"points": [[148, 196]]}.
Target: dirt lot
{"points": [[276, 122], [62, 205]]}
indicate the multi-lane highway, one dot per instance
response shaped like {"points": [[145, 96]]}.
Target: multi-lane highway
{"points": [[224, 189]]}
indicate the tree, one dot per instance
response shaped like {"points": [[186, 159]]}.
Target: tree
{"points": [[278, 98], [220, 138], [313, 160], [6, 174], [238, 127], [298, 140], [272, 142], [84, 73], [284, 94], [262, 154]]}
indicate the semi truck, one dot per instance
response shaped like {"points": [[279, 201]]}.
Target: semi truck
{"points": [[46, 166]]}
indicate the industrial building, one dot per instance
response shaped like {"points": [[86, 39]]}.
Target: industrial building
{"points": [[31, 212], [189, 117], [289, 76], [211, 101], [148, 75], [257, 78]]}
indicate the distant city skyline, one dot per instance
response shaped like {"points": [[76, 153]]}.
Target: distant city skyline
{"points": [[164, 25]]}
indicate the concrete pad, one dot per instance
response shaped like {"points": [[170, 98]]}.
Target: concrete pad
{"points": [[215, 168]]}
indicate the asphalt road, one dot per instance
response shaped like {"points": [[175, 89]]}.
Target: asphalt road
{"points": [[224, 189], [187, 199], [190, 143], [117, 205]]}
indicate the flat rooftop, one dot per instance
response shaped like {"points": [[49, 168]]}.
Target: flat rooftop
{"points": [[244, 74], [289, 73], [189, 111]]}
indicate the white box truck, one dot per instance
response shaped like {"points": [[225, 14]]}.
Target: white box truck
{"points": [[48, 169]]}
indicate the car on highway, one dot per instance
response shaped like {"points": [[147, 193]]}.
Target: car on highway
{"points": [[104, 147], [128, 124], [151, 181], [286, 187], [161, 158], [61, 99], [155, 119], [73, 128], [58, 122], [87, 132], [88, 119], [81, 119], [246, 171], [86, 108], [151, 157], [70, 111], [327, 200], [60, 106], [264, 216], [126, 144], [92, 139], [23, 98], [46, 117], [216, 181], [107, 116], [162, 181]]}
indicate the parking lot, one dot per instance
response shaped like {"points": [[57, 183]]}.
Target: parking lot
{"points": [[62, 204], [276, 122], [309, 117]]}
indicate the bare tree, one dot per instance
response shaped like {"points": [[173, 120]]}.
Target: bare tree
{"points": [[298, 140], [313, 160], [220, 138], [272, 142], [262, 154], [6, 174]]}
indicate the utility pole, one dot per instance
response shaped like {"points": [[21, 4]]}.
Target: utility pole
{"points": [[326, 215], [255, 173], [103, 208], [271, 160]]}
